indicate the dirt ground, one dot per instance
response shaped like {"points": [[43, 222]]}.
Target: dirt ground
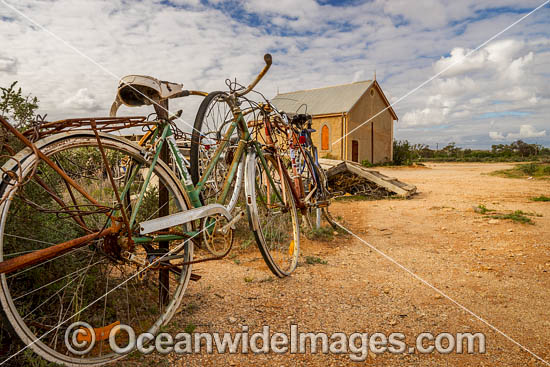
{"points": [[498, 269]]}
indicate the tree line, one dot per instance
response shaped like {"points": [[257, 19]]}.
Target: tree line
{"points": [[405, 153]]}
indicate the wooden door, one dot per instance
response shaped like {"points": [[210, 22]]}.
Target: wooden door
{"points": [[355, 150], [324, 138]]}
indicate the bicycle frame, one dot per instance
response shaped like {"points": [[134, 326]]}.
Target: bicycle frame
{"points": [[161, 134]]}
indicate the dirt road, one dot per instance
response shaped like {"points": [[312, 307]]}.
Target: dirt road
{"points": [[498, 269]]}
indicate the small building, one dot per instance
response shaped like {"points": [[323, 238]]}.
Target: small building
{"points": [[337, 113]]}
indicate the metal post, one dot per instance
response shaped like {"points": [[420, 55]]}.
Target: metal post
{"points": [[164, 274], [318, 219]]}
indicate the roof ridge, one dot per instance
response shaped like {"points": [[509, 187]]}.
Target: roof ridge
{"points": [[330, 86]]}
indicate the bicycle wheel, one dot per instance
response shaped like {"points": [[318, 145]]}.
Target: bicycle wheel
{"points": [[93, 283], [273, 219], [213, 120]]}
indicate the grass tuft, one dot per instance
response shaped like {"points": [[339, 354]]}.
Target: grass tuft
{"points": [[482, 209], [312, 260], [324, 233], [189, 328], [535, 170], [541, 198], [516, 216]]}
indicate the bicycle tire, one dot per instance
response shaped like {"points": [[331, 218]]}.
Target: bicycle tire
{"points": [[213, 116], [275, 224], [141, 310]]}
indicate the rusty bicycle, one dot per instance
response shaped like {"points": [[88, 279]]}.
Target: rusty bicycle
{"points": [[96, 228]]}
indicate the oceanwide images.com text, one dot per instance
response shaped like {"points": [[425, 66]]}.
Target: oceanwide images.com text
{"points": [[123, 339]]}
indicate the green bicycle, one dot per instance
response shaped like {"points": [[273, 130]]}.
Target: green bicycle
{"points": [[96, 228]]}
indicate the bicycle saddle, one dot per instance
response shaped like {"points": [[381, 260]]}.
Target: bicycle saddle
{"points": [[139, 90]]}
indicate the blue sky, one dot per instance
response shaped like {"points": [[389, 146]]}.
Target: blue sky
{"points": [[495, 95]]}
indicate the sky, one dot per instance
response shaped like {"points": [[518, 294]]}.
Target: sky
{"points": [[74, 53]]}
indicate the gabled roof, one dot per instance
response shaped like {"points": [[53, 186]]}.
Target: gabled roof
{"points": [[321, 101], [327, 100]]}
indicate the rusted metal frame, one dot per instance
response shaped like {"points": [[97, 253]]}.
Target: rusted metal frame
{"points": [[113, 184], [78, 219], [293, 143], [299, 203], [282, 172], [259, 152], [75, 203], [197, 93], [38, 256], [280, 168], [107, 124], [48, 161]]}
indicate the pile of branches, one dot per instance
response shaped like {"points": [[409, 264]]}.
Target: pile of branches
{"points": [[346, 184]]}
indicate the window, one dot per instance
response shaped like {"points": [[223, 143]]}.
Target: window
{"points": [[325, 138]]}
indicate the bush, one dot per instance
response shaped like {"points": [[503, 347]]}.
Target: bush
{"points": [[403, 153]]}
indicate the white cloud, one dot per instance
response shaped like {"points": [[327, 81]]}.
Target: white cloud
{"points": [[81, 100], [525, 132], [496, 135], [313, 45], [8, 64], [425, 117]]}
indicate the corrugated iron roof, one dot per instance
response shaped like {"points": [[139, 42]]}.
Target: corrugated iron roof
{"points": [[320, 101]]}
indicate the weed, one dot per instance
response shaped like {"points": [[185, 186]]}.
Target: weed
{"points": [[312, 260], [516, 216], [189, 328], [192, 307], [237, 261], [324, 233], [33, 360], [248, 279], [353, 198], [541, 198], [482, 209], [528, 169], [535, 170], [246, 243]]}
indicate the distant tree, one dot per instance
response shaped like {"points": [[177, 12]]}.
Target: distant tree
{"points": [[451, 150], [524, 149]]}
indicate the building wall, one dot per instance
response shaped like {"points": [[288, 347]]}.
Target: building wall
{"points": [[334, 123], [380, 128]]}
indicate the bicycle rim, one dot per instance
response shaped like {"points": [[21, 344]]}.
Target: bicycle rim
{"points": [[88, 283], [274, 222]]}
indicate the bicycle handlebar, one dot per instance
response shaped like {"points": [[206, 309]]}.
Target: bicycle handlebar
{"points": [[268, 60]]}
